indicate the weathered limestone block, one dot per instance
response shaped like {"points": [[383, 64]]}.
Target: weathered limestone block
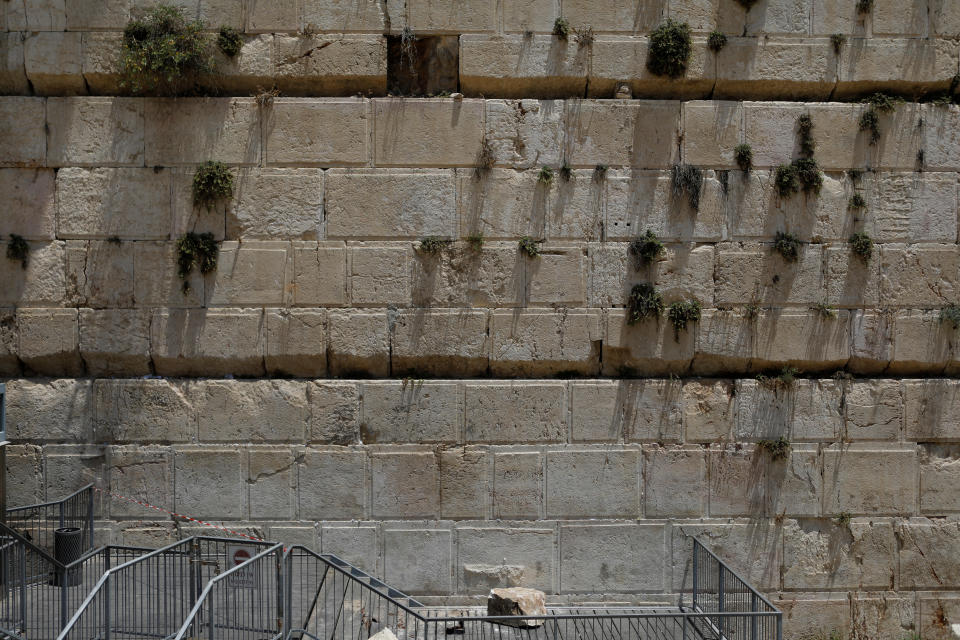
{"points": [[123, 203], [411, 411], [750, 273], [35, 15], [614, 558], [808, 340], [440, 342], [188, 217], [850, 481], [13, 78], [927, 560], [330, 65], [355, 544], [516, 66], [884, 616], [53, 62], [343, 17], [335, 412], [539, 342], [780, 16], [379, 275], [625, 411], [491, 558], [89, 132], [97, 15], [296, 342], [209, 482], [49, 341], [524, 134], [709, 410], [277, 203], [115, 341], [940, 136], [599, 483], [24, 475], [675, 482], [251, 273], [821, 554], [272, 16], [848, 281], [682, 272], [648, 347], [68, 468], [725, 341], [464, 488], [908, 17], [805, 410], [390, 204], [456, 16], [619, 59], [615, 16], [445, 133], [186, 132], [207, 342], [492, 276], [319, 274], [49, 410], [515, 411], [756, 551], [557, 276], [813, 616], [517, 601], [420, 559], [251, 411], [711, 131], [141, 474], [359, 343], [518, 486], [502, 203], [332, 484], [623, 133], [707, 15], [916, 209], [576, 207], [28, 196], [405, 485], [943, 21], [870, 342], [939, 474], [9, 343], [746, 482], [317, 132], [252, 69], [937, 616], [23, 139], [99, 273], [873, 410], [758, 68], [155, 411], [921, 343], [931, 411], [271, 479], [156, 282], [901, 65], [100, 64]]}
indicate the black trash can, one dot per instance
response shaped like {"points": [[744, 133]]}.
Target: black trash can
{"points": [[67, 547]]}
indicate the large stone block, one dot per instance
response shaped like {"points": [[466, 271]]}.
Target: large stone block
{"points": [[296, 342], [921, 343], [499, 412], [277, 203], [419, 559], [337, 65], [405, 485], [13, 77], [24, 479], [53, 61], [758, 68], [675, 482], [100, 273], [753, 273], [802, 411], [939, 475], [249, 273], [492, 276], [209, 483], [156, 282], [502, 203], [68, 468], [49, 410], [900, 65], [359, 343], [101, 65], [709, 410], [271, 478], [23, 138], [251, 411], [332, 484], [539, 342], [50, 341], [517, 66], [282, 15], [456, 16], [194, 130], [357, 545], [317, 132], [823, 555], [593, 483], [411, 411], [411, 132], [937, 616], [390, 204], [524, 134], [926, 557], [493, 558], [814, 617], [576, 207], [639, 134], [210, 342], [115, 341], [343, 17], [682, 272], [850, 481], [780, 16], [518, 486], [931, 411], [754, 550], [873, 410], [711, 131], [28, 196], [807, 340], [746, 482], [143, 411], [464, 489], [870, 341], [122, 203], [89, 132], [557, 277], [9, 343], [379, 275], [35, 15], [624, 59], [319, 274], [141, 474], [912, 209], [441, 342], [919, 275], [625, 411], [621, 558], [335, 412], [647, 348]]}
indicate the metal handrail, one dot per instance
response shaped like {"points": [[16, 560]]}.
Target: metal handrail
{"points": [[52, 503], [726, 567]]}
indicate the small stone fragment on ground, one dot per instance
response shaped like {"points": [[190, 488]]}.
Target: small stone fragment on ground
{"points": [[517, 601]]}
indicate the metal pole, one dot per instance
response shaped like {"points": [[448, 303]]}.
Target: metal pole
{"points": [[695, 580], [90, 515]]}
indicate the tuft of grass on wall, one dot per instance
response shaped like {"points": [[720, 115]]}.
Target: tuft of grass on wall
{"points": [[195, 251], [646, 249], [670, 48], [643, 302], [164, 52], [212, 183]]}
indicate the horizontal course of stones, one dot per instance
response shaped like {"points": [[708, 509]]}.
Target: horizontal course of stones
{"points": [[580, 487], [780, 48]]}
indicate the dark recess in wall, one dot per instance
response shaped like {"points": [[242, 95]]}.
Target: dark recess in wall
{"points": [[423, 65]]}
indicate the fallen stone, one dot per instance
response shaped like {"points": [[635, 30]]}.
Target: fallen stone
{"points": [[384, 634], [517, 601]]}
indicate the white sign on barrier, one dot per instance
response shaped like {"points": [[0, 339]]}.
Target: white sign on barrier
{"points": [[244, 578]]}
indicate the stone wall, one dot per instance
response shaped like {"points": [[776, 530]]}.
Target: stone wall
{"points": [[477, 417]]}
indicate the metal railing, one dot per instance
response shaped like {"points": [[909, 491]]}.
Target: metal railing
{"points": [[36, 522]]}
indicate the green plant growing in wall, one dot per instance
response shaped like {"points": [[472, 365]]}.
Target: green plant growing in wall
{"points": [[529, 247], [825, 310], [838, 40], [561, 28], [485, 159], [432, 245], [855, 175], [681, 313], [870, 119], [545, 176], [645, 249], [808, 174], [643, 302], [584, 35], [785, 180], [408, 46], [857, 202], [195, 250], [475, 241], [688, 179], [716, 41], [862, 245], [600, 173], [670, 48], [212, 182], [843, 519], [951, 314], [164, 52], [864, 6], [805, 131], [782, 379], [787, 245], [229, 41], [566, 172], [18, 249], [743, 154], [778, 449]]}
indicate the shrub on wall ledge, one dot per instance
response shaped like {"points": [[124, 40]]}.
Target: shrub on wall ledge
{"points": [[195, 250], [670, 47], [212, 183], [163, 52]]}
